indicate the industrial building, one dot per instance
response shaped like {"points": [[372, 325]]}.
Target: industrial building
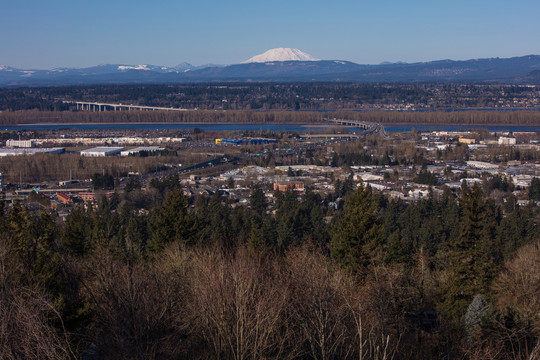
{"points": [[29, 151], [91, 197], [506, 141], [102, 151], [482, 165], [286, 184], [464, 140], [148, 149], [20, 143], [246, 141]]}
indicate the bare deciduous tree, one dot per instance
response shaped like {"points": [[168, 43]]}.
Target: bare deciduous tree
{"points": [[26, 319], [135, 309], [240, 310]]}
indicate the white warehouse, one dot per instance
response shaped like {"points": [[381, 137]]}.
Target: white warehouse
{"points": [[507, 141], [102, 151], [29, 151], [20, 144], [141, 149]]}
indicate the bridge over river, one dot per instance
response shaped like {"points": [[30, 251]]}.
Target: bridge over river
{"points": [[370, 128], [99, 106]]}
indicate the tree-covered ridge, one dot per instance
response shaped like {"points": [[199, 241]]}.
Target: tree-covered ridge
{"points": [[443, 277]]}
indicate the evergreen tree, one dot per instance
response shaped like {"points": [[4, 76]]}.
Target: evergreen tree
{"points": [[135, 238], [133, 183], [21, 234], [105, 224], [534, 189], [309, 222], [240, 224], [398, 247], [76, 237], [357, 233], [47, 262], [285, 220], [257, 202], [449, 212], [269, 232], [515, 230], [474, 316], [219, 226], [471, 266], [255, 238], [170, 222]]}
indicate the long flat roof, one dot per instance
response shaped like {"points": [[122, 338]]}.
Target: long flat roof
{"points": [[142, 148], [147, 148], [29, 151], [103, 149]]}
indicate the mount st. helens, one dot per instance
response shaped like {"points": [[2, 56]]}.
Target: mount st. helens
{"points": [[288, 64], [281, 54]]}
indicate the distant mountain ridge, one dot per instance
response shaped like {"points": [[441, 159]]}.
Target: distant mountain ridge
{"points": [[516, 70]]}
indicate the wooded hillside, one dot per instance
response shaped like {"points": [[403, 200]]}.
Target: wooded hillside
{"points": [[449, 277]]}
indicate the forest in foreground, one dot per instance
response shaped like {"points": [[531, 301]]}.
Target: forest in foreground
{"points": [[452, 277]]}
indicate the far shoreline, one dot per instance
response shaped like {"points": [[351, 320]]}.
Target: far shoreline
{"points": [[307, 125]]}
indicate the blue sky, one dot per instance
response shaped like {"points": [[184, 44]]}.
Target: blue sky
{"points": [[78, 33]]}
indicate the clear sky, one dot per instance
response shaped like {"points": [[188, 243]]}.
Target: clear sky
{"points": [[78, 33]]}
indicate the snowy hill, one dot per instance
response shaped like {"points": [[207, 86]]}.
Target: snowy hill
{"points": [[281, 54]]}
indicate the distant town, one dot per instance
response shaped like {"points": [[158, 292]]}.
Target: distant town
{"points": [[408, 166]]}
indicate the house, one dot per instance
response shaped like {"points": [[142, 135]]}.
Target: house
{"points": [[286, 184], [64, 199], [464, 140], [87, 196]]}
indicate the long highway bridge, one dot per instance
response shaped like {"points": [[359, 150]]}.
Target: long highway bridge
{"points": [[352, 123], [98, 106], [369, 127]]}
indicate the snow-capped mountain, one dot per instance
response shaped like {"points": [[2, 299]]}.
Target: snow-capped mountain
{"points": [[281, 54]]}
